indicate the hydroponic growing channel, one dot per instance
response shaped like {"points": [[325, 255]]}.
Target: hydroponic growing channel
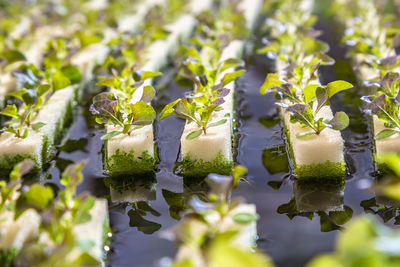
{"points": [[199, 133]]}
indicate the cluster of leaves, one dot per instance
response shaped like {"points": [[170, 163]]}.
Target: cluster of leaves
{"points": [[116, 108], [197, 231], [304, 108], [130, 48], [297, 84], [37, 87], [377, 47], [204, 73], [365, 242], [384, 103], [58, 217]]}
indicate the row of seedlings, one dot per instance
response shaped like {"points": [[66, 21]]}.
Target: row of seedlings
{"points": [[209, 66], [41, 228], [372, 38], [126, 108], [47, 92], [217, 231], [313, 137]]}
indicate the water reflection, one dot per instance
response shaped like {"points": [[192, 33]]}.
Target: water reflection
{"points": [[383, 205], [179, 201], [322, 198], [132, 195]]}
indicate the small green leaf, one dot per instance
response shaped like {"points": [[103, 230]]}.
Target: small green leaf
{"points": [[231, 63], [60, 81], [38, 125], [168, 110], [310, 92], [245, 218], [220, 122], [13, 56], [42, 89], [37, 196], [271, 80], [302, 135], [10, 111], [148, 93], [110, 135], [338, 86], [72, 73], [340, 121], [193, 135], [230, 77], [322, 98], [238, 173], [143, 113], [108, 82], [144, 75], [384, 134]]}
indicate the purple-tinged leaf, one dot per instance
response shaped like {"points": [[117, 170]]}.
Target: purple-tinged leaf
{"points": [[339, 122], [322, 98]]}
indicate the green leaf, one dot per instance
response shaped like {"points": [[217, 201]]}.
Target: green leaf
{"points": [[168, 109], [231, 63], [42, 89], [60, 81], [110, 135], [245, 218], [82, 214], [185, 109], [322, 98], [21, 169], [143, 113], [108, 82], [271, 80], [13, 56], [310, 92], [37, 196], [230, 77], [340, 121], [392, 160], [384, 134], [338, 86], [10, 111], [238, 173], [148, 93], [220, 122], [72, 73], [302, 135], [193, 135], [144, 75], [38, 125]]}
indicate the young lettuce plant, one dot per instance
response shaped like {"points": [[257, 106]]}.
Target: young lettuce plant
{"points": [[116, 107], [304, 108], [385, 104], [208, 94], [37, 89]]}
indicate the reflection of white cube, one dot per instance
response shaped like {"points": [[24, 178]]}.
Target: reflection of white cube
{"points": [[318, 197]]}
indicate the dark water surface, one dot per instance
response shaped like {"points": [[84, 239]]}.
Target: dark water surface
{"points": [[291, 237]]}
